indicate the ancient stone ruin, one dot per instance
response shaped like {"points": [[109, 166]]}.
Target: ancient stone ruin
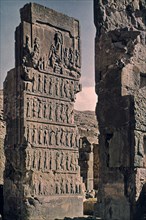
{"points": [[42, 176], [120, 64], [89, 149]]}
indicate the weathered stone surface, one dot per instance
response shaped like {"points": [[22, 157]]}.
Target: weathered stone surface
{"points": [[89, 149], [42, 175], [120, 76], [2, 137], [2, 157]]}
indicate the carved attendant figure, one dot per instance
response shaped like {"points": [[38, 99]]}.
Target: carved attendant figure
{"points": [[51, 112], [39, 83], [34, 109], [28, 110], [40, 109], [35, 53], [34, 84], [46, 136], [57, 87], [58, 137], [51, 86], [40, 135], [45, 84], [34, 135]]}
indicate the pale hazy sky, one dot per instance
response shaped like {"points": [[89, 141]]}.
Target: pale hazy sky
{"points": [[80, 9]]}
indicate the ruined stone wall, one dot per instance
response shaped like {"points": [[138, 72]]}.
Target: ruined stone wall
{"points": [[120, 74], [42, 175], [89, 149]]}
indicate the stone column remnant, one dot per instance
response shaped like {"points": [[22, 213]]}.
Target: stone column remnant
{"points": [[120, 74], [42, 176]]}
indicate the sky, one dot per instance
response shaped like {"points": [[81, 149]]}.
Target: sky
{"points": [[79, 9]]}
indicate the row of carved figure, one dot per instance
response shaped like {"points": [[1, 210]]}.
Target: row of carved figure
{"points": [[50, 135], [50, 85], [60, 185], [51, 110], [45, 160], [58, 56]]}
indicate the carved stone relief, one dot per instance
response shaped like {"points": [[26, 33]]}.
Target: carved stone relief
{"points": [[46, 81], [49, 85], [51, 135], [48, 109], [46, 160], [63, 185], [61, 59]]}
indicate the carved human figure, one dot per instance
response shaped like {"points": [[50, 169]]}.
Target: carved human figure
{"points": [[46, 136], [28, 109], [71, 114], [71, 56], [35, 185], [40, 108], [34, 135], [27, 48], [72, 139], [34, 83], [51, 111], [72, 191], [66, 60], [69, 138], [62, 186], [77, 190], [57, 87], [45, 84], [77, 140], [52, 136], [26, 51], [71, 90], [45, 166], [40, 135], [66, 89], [76, 158], [28, 159], [57, 188], [58, 44], [63, 114], [67, 114], [41, 64], [67, 162], [51, 86], [77, 58], [62, 88], [67, 186], [72, 163], [63, 161], [34, 161], [57, 112], [58, 160], [52, 57], [34, 108], [39, 160], [51, 160], [58, 136], [28, 134], [35, 53], [63, 138], [39, 83], [45, 110]]}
